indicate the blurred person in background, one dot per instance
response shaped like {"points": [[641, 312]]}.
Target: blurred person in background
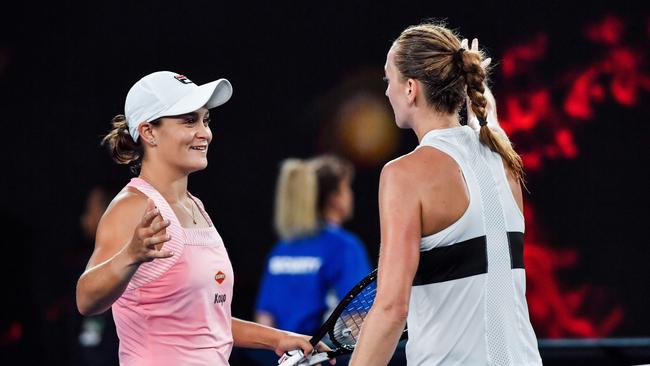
{"points": [[94, 337], [158, 261], [315, 256]]}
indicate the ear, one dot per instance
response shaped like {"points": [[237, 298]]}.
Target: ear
{"points": [[412, 90], [146, 132]]}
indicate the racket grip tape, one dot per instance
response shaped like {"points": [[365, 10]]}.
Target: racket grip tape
{"points": [[291, 358], [317, 358]]}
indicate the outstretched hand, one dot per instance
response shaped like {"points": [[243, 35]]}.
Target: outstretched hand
{"points": [[149, 237]]}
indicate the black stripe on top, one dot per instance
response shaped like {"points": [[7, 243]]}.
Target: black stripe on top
{"points": [[516, 243], [463, 259]]}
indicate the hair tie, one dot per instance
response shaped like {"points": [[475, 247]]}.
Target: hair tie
{"points": [[482, 122], [458, 57]]}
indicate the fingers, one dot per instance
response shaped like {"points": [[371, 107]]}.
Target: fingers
{"points": [[474, 48], [322, 347], [464, 44], [306, 347], [485, 63], [154, 247], [149, 215], [296, 342], [150, 235], [150, 204], [155, 240], [157, 227], [157, 254]]}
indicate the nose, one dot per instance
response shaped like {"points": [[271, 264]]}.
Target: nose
{"points": [[203, 132]]}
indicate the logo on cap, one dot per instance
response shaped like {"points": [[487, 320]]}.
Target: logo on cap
{"points": [[183, 79], [220, 277]]}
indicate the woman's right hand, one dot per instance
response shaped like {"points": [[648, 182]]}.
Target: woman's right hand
{"points": [[149, 237]]}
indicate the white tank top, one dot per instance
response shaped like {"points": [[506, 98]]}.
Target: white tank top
{"points": [[468, 304]]}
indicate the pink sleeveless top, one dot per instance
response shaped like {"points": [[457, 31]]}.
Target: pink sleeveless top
{"points": [[176, 311]]}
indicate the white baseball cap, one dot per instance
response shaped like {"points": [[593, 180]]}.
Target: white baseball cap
{"points": [[166, 93]]}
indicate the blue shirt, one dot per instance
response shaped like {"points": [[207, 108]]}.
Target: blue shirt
{"points": [[300, 273]]}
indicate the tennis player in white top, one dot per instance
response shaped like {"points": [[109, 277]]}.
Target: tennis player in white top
{"points": [[451, 257]]}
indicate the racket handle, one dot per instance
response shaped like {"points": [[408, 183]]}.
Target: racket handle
{"points": [[291, 358], [317, 358]]}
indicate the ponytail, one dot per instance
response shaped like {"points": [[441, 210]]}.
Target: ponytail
{"points": [[474, 78], [120, 143], [295, 200], [121, 146]]}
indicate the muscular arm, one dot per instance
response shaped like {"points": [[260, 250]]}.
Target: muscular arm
{"points": [[118, 251], [400, 219]]}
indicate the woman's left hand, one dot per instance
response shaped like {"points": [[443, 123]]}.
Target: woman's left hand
{"points": [[293, 341]]}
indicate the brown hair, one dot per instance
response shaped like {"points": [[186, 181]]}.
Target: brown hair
{"points": [[330, 172], [430, 53], [121, 146]]}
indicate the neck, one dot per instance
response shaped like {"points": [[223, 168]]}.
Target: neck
{"points": [[428, 119], [332, 217], [172, 185]]}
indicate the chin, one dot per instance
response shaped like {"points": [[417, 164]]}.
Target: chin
{"points": [[196, 167], [402, 124]]}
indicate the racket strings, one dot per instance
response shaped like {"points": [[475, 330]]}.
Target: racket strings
{"points": [[348, 325]]}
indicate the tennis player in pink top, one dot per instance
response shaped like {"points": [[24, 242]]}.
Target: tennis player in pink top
{"points": [[159, 262]]}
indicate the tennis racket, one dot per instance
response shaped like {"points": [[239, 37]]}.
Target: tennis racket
{"points": [[343, 325]]}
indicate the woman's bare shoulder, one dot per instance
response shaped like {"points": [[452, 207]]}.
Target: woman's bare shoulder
{"points": [[118, 223], [127, 204], [420, 163]]}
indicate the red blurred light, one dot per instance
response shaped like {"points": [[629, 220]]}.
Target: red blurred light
{"points": [[607, 31], [533, 114], [517, 59], [12, 335]]}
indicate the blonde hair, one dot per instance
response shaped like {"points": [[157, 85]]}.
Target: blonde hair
{"points": [[295, 200], [432, 54]]}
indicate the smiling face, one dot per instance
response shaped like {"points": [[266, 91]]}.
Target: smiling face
{"points": [[397, 91], [181, 141]]}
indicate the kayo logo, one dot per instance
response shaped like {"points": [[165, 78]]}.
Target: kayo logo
{"points": [[220, 299], [220, 277], [183, 79]]}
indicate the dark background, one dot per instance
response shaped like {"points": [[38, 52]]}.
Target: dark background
{"points": [[65, 69]]}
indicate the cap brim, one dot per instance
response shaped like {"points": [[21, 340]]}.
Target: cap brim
{"points": [[210, 95]]}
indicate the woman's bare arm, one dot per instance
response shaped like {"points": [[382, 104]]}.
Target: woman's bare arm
{"points": [[127, 236], [400, 219]]}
